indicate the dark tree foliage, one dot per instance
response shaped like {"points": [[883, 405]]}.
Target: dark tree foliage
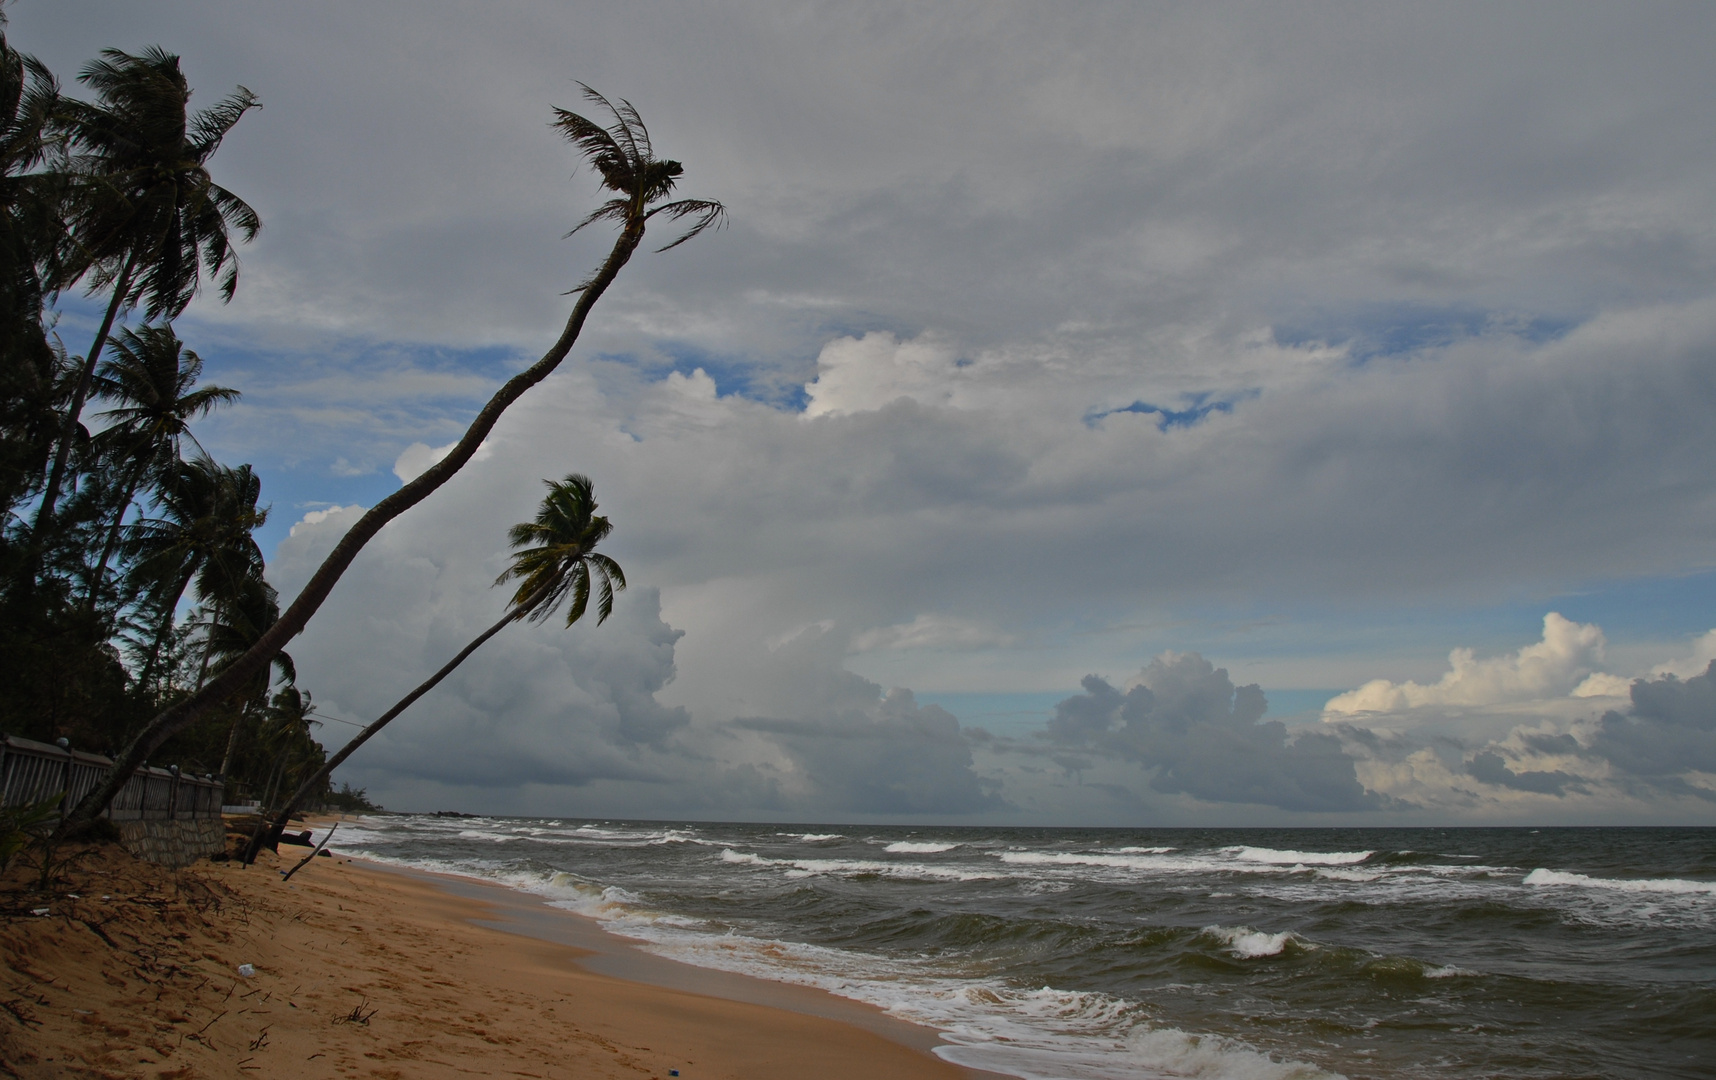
{"points": [[142, 579]]}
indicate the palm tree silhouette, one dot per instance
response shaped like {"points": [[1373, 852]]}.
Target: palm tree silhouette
{"points": [[622, 153], [556, 559], [144, 218], [151, 375], [203, 535], [29, 233], [231, 629]]}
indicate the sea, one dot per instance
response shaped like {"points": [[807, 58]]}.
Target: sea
{"points": [[1101, 954]]}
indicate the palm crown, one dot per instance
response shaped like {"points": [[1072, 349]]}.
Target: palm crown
{"points": [[621, 152], [146, 216], [151, 376], [559, 557]]}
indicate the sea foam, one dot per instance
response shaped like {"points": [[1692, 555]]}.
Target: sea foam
{"points": [[1250, 944], [1681, 886]]}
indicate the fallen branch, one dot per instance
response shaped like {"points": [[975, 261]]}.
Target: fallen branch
{"points": [[286, 875]]}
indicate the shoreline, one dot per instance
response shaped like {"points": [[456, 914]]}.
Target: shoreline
{"points": [[358, 968], [612, 955]]}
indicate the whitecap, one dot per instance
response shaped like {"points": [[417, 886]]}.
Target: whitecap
{"points": [[1250, 944], [914, 847], [1298, 858], [1681, 886]]}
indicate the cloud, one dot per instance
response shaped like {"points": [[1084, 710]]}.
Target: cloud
{"points": [[1186, 722], [858, 374], [1416, 344], [1558, 665], [415, 459], [932, 632], [895, 757], [1703, 652], [1490, 768], [1668, 733]]}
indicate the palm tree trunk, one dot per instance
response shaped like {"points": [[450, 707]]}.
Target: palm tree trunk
{"points": [[56, 475], [208, 646], [182, 714], [164, 629], [99, 577], [271, 835], [231, 744]]}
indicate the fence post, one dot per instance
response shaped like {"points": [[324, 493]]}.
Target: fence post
{"points": [[66, 802]]}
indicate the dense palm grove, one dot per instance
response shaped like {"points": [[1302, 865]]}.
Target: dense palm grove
{"points": [[129, 571]]}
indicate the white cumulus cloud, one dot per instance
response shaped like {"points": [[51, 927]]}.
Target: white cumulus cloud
{"points": [[1553, 667]]}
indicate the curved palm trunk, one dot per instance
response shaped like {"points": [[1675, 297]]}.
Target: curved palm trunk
{"points": [[270, 835], [185, 713], [56, 475]]}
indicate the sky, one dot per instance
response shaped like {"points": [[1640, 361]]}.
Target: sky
{"points": [[1109, 414]]}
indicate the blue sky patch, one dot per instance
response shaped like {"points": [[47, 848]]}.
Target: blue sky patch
{"points": [[1194, 408], [1383, 330]]}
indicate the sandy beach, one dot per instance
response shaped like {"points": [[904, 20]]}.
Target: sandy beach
{"points": [[360, 970]]}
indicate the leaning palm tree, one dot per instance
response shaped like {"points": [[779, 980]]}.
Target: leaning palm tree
{"points": [[151, 377], [556, 559], [622, 153], [145, 220]]}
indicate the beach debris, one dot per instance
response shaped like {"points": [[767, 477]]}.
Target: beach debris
{"points": [[360, 1014], [286, 875], [40, 911], [247, 970]]}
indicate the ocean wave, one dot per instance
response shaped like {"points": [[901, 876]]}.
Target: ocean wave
{"points": [[1035, 1033], [914, 847], [1680, 886], [1359, 876], [1250, 944], [1145, 850], [1298, 858], [856, 867], [814, 837]]}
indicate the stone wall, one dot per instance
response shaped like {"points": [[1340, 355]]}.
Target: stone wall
{"points": [[173, 843]]}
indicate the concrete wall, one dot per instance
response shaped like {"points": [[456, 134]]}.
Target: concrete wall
{"points": [[173, 843]]}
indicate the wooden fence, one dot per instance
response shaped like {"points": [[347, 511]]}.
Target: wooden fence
{"points": [[32, 771]]}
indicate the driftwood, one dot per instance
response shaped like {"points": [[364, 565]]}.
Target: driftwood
{"points": [[286, 875]]}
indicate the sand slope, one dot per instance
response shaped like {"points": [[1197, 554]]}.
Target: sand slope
{"points": [[359, 973]]}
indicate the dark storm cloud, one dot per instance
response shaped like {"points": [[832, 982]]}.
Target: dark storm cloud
{"points": [[1200, 735], [1669, 731], [1490, 768], [895, 758]]}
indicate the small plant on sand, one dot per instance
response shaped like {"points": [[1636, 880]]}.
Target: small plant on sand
{"points": [[26, 825]]}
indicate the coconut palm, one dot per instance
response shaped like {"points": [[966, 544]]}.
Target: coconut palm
{"points": [[29, 231], [145, 219], [556, 559], [202, 536], [151, 376], [232, 627], [622, 153]]}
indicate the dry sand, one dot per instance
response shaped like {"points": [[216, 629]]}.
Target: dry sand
{"points": [[366, 972]]}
